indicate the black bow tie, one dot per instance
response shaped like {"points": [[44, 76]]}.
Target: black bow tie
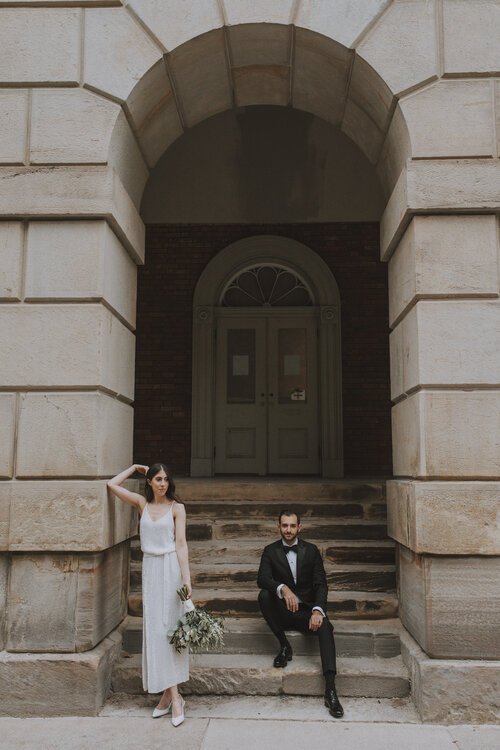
{"points": [[290, 549]]}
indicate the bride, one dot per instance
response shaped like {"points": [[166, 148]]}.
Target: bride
{"points": [[165, 569]]}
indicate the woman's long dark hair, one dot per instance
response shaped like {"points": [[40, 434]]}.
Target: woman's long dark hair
{"points": [[152, 472]]}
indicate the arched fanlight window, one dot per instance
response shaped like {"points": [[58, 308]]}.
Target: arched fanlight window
{"points": [[266, 286]]}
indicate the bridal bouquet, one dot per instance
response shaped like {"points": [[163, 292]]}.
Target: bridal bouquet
{"points": [[197, 629]]}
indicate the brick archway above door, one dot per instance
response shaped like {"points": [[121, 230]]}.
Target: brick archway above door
{"points": [[304, 262]]}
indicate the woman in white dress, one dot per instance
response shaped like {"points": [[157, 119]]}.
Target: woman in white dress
{"points": [[165, 568]]}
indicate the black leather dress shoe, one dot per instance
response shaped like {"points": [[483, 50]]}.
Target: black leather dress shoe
{"points": [[283, 656], [333, 704]]}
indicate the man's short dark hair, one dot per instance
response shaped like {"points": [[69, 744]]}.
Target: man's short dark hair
{"points": [[288, 512]]}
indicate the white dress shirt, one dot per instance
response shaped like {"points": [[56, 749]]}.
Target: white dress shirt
{"points": [[292, 562]]}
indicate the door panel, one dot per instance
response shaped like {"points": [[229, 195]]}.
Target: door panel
{"points": [[293, 388], [240, 396], [266, 395]]}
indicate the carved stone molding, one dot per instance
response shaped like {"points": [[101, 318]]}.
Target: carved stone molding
{"points": [[204, 314], [329, 315], [318, 278]]}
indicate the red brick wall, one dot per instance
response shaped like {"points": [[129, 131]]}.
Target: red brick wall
{"points": [[175, 257]]}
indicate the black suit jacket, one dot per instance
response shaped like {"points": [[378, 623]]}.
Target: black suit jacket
{"points": [[311, 586]]}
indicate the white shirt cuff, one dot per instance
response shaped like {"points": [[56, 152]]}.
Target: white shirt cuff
{"points": [[319, 610], [279, 590]]}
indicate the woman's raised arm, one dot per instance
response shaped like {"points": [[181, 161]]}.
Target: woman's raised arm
{"points": [[131, 498]]}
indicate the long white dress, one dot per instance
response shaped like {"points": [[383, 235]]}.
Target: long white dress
{"points": [[162, 666]]}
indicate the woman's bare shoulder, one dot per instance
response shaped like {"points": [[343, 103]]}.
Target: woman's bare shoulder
{"points": [[179, 509]]}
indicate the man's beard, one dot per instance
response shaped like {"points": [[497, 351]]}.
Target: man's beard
{"points": [[290, 539]]}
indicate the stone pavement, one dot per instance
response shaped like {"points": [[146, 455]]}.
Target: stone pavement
{"points": [[248, 723]]}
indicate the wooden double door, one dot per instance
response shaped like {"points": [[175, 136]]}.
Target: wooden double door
{"points": [[266, 399]]}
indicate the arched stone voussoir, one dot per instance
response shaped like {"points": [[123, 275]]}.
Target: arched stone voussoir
{"points": [[174, 22], [261, 61], [339, 20], [152, 110], [395, 152], [201, 77], [321, 75], [368, 114], [258, 59], [76, 126], [117, 52], [258, 11], [127, 160], [70, 126], [403, 45], [255, 64]]}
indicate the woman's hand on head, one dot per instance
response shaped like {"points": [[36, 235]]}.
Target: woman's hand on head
{"points": [[141, 469]]}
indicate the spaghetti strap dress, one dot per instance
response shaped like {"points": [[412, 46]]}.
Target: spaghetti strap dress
{"points": [[162, 665]]}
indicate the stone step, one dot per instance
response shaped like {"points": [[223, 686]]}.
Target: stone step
{"points": [[234, 551], [240, 510], [265, 532], [253, 674], [299, 490], [316, 529], [358, 605], [380, 552], [252, 636], [238, 576]]}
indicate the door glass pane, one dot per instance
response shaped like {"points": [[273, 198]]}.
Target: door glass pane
{"points": [[241, 366], [292, 367]]}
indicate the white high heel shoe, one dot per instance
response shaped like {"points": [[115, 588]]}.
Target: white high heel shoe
{"points": [[176, 720], [161, 711]]}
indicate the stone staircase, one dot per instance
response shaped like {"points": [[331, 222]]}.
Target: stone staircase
{"points": [[229, 522]]}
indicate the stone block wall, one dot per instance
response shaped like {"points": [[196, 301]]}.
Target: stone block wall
{"points": [[68, 346], [65, 602], [445, 366]]}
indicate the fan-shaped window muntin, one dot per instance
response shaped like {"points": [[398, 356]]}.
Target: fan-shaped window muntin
{"points": [[266, 286]]}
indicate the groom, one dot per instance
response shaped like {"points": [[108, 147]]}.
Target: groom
{"points": [[293, 596]]}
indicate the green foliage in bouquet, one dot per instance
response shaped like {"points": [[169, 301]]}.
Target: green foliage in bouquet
{"points": [[197, 629]]}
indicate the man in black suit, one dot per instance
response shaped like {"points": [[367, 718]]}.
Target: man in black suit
{"points": [[293, 596]]}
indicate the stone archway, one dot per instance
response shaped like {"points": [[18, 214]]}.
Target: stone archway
{"points": [[220, 270]]}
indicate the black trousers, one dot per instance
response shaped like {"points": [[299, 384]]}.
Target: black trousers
{"points": [[279, 619]]}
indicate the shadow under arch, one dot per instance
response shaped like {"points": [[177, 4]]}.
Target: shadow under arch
{"points": [[266, 64], [233, 259]]}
